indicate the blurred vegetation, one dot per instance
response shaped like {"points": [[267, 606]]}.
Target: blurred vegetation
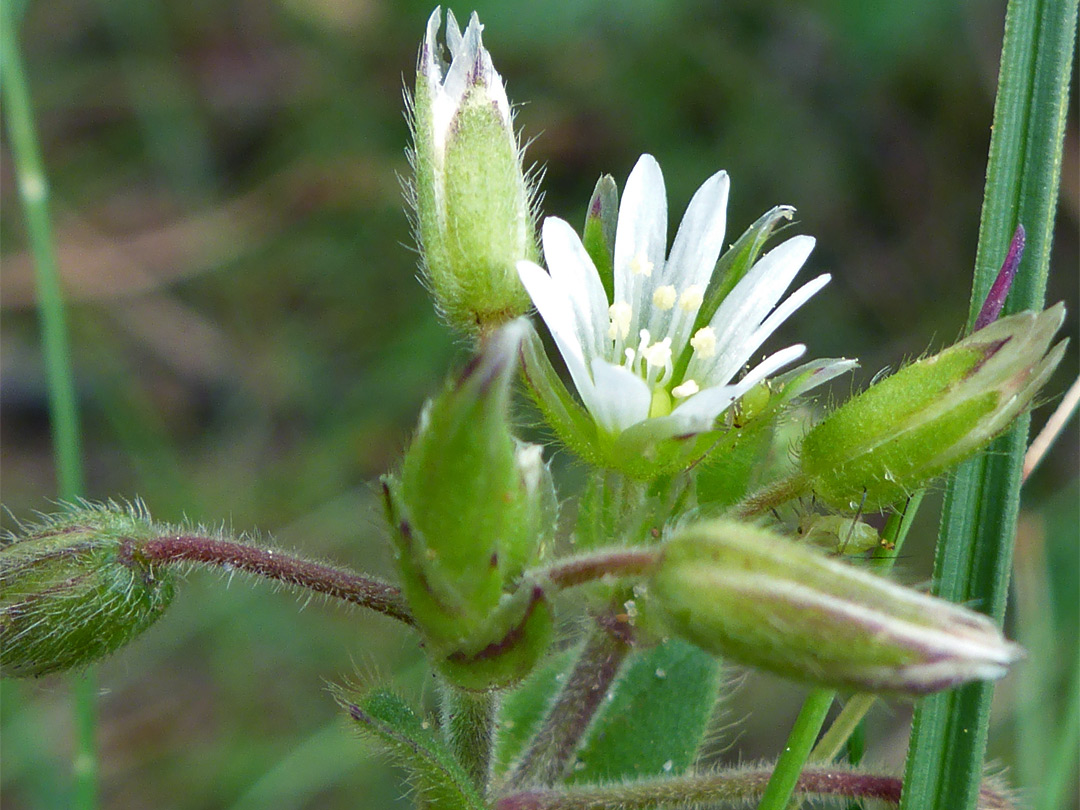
{"points": [[252, 344]]}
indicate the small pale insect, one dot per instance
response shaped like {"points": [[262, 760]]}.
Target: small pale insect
{"points": [[838, 534]]}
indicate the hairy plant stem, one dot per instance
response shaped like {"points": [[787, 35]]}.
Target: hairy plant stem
{"points": [[722, 787], [468, 724], [274, 564], [553, 747], [771, 496], [617, 562]]}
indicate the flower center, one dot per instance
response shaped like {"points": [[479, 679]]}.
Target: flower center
{"points": [[652, 360]]}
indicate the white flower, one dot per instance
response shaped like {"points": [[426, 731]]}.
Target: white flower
{"points": [[470, 67], [639, 357], [471, 196]]}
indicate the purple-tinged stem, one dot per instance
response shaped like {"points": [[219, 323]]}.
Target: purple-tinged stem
{"points": [[274, 564], [995, 299], [619, 562], [553, 747], [724, 787]]}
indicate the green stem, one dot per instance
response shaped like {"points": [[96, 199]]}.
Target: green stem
{"points": [[63, 412], [974, 557], [832, 741], [469, 728], [785, 775], [894, 534]]}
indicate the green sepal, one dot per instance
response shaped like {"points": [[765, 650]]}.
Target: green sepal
{"points": [[598, 235], [504, 651], [435, 775], [567, 417], [656, 719], [487, 218], [75, 588]]}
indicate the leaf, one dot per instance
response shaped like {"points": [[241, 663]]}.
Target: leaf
{"points": [[412, 743], [655, 720]]}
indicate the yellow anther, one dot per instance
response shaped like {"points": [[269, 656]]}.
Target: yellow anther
{"points": [[690, 300], [640, 265], [704, 342], [663, 298], [659, 354], [687, 389], [620, 314]]}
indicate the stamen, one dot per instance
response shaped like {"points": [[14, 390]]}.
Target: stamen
{"points": [[620, 313], [659, 354], [663, 298], [640, 266], [690, 300], [704, 342], [687, 389]]}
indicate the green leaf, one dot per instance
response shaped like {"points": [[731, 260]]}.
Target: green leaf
{"points": [[656, 719], [945, 760], [436, 776]]}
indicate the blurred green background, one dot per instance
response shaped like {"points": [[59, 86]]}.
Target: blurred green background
{"points": [[252, 345]]}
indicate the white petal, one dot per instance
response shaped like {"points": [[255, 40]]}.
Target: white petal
{"points": [[555, 308], [711, 402], [701, 235], [767, 366], [751, 343], [622, 397], [574, 274], [746, 306], [707, 405], [430, 60], [693, 256], [787, 309], [641, 235], [818, 373]]}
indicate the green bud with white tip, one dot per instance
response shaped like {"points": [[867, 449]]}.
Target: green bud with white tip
{"points": [[472, 200], [471, 510], [904, 431], [76, 588], [767, 601]]}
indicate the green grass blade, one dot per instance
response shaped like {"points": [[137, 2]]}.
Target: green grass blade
{"points": [[63, 411], [945, 761]]}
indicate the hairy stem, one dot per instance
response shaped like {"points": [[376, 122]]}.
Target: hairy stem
{"points": [[468, 722], [618, 562], [832, 785], [596, 669], [771, 496], [273, 564]]}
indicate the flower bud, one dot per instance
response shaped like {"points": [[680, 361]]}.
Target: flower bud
{"points": [[75, 589], [470, 193], [769, 602], [471, 510], [899, 434]]}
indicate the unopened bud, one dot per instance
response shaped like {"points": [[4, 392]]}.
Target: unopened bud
{"points": [[470, 511], [766, 601], [896, 436], [75, 589], [472, 199]]}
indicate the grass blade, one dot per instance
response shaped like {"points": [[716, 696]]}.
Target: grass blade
{"points": [[974, 558]]}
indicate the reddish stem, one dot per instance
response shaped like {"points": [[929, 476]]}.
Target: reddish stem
{"points": [[274, 564]]}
